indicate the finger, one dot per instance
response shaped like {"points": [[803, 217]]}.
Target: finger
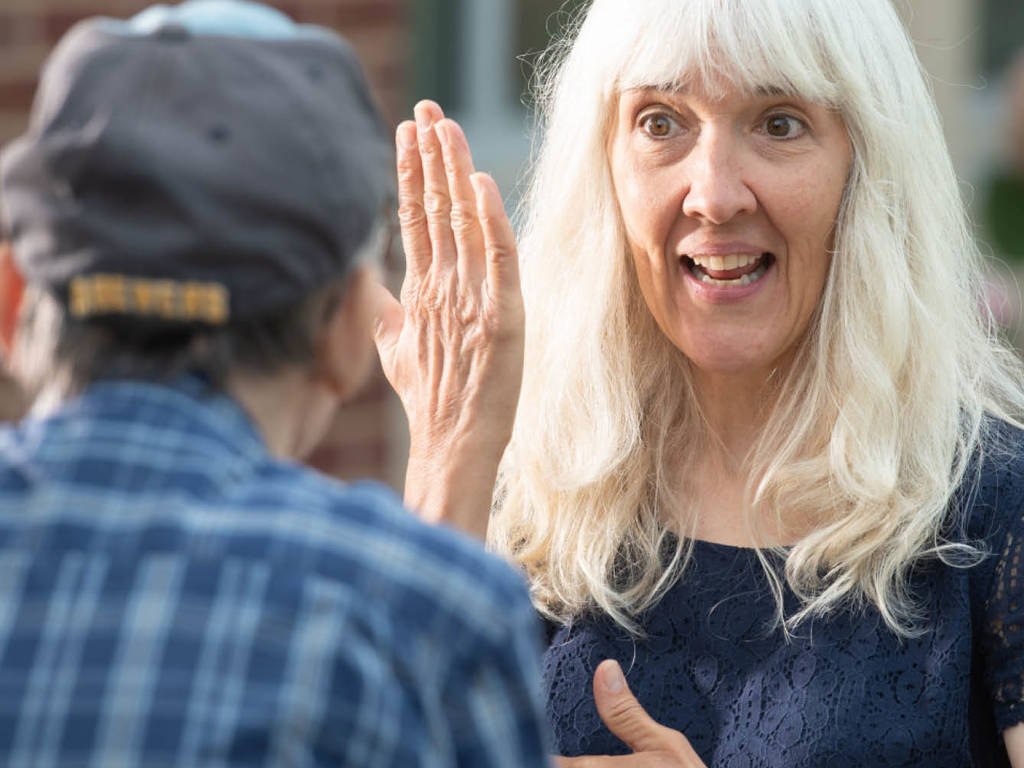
{"points": [[469, 238], [411, 216], [625, 718], [436, 200], [502, 259]]}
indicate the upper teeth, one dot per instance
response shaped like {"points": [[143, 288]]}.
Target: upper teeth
{"points": [[726, 261]]}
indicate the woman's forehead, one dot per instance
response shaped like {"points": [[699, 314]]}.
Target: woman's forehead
{"points": [[720, 93]]}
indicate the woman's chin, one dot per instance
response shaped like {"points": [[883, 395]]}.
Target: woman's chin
{"points": [[733, 358]]}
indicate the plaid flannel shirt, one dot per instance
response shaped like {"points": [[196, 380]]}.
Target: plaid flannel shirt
{"points": [[170, 594]]}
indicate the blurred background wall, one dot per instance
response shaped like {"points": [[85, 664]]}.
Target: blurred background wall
{"points": [[473, 56]]}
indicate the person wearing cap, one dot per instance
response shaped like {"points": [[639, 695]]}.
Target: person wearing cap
{"points": [[193, 211]]}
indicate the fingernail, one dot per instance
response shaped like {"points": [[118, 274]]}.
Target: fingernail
{"points": [[407, 135], [612, 677]]}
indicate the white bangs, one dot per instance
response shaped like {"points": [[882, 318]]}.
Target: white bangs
{"points": [[754, 46]]}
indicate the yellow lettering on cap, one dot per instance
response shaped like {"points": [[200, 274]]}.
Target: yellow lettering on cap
{"points": [[142, 297], [190, 301], [81, 298], [205, 301], [167, 300], [110, 294]]}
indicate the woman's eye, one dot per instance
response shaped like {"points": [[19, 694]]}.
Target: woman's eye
{"points": [[659, 126], [783, 127]]}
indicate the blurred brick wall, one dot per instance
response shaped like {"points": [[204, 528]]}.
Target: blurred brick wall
{"points": [[367, 440]]}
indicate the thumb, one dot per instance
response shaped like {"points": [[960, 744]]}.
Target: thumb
{"points": [[388, 318], [622, 713]]}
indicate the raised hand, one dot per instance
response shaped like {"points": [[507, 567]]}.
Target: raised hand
{"points": [[453, 348], [653, 745]]}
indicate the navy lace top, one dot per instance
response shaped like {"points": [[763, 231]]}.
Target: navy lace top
{"points": [[845, 691]]}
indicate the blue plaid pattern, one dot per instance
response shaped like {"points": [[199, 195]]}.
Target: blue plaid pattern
{"points": [[172, 595]]}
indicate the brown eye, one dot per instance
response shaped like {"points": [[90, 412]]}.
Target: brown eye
{"points": [[658, 126], [783, 127]]}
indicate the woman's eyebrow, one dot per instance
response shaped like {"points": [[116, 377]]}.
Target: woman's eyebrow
{"points": [[669, 89]]}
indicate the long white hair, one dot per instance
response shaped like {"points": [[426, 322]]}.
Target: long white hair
{"points": [[896, 383]]}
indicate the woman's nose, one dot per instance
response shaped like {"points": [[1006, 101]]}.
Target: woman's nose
{"points": [[717, 190]]}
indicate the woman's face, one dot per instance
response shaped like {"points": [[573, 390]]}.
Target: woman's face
{"points": [[729, 207]]}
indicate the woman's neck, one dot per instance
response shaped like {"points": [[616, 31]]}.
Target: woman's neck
{"points": [[735, 410]]}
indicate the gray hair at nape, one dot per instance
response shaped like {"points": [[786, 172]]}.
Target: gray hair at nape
{"points": [[897, 384]]}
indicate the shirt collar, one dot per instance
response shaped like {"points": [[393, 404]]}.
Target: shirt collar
{"points": [[189, 404]]}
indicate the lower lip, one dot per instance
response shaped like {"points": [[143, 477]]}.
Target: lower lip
{"points": [[724, 294]]}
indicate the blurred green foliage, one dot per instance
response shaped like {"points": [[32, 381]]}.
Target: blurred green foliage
{"points": [[1004, 215]]}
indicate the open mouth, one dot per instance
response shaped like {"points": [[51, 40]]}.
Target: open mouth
{"points": [[729, 270]]}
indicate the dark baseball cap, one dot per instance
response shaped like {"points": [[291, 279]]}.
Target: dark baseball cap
{"points": [[201, 163]]}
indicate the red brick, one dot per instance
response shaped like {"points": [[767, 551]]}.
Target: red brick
{"points": [[56, 23], [370, 14], [389, 76], [17, 94], [9, 23], [292, 9]]}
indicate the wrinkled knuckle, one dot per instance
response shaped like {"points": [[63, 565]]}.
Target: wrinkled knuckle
{"points": [[436, 205], [451, 167], [432, 305], [428, 302], [488, 220], [410, 214], [463, 219], [408, 171], [428, 147], [469, 315], [625, 709], [498, 252]]}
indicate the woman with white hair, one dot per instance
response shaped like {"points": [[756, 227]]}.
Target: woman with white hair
{"points": [[766, 455]]}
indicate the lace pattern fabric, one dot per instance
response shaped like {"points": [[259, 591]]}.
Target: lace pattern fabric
{"points": [[844, 691], [1002, 647]]}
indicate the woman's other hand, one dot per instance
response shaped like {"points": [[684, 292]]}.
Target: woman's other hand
{"points": [[653, 745], [1013, 738], [453, 348]]}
